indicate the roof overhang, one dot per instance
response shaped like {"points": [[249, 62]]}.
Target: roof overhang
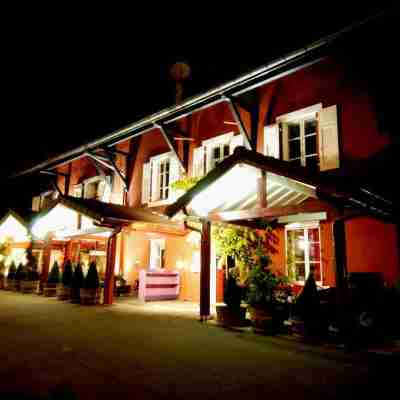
{"points": [[14, 227], [230, 192]]}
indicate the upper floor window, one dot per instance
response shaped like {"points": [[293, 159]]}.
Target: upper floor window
{"points": [[307, 137], [213, 151], [97, 188], [158, 175]]}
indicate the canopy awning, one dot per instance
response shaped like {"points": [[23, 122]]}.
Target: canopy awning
{"points": [[61, 218], [230, 192], [13, 227]]}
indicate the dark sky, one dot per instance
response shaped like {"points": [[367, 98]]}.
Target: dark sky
{"points": [[71, 75]]}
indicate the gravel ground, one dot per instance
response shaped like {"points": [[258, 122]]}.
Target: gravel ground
{"points": [[55, 350]]}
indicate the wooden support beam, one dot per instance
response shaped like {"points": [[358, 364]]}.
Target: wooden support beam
{"points": [[262, 190], [110, 268], [171, 144], [267, 212], [100, 160], [339, 238], [67, 181], [56, 187], [238, 119], [254, 118], [117, 170], [205, 270]]}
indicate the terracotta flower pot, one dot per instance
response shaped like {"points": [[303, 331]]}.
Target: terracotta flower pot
{"points": [[28, 286], [63, 292], [50, 289], [90, 296], [261, 319], [229, 317]]}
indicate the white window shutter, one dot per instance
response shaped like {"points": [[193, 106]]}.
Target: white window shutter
{"points": [[155, 184], [175, 173], [198, 161], [328, 139], [271, 141], [236, 141], [146, 180], [36, 203], [283, 128], [105, 193]]}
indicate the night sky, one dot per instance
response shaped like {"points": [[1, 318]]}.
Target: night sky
{"points": [[72, 75]]}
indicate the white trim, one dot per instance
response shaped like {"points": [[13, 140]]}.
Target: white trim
{"points": [[305, 225], [226, 137], [300, 114], [160, 157], [303, 218]]}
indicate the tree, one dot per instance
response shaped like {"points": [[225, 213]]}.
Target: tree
{"points": [[12, 270], [54, 276], [77, 277], [92, 277], [67, 274]]}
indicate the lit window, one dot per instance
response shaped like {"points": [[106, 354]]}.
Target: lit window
{"points": [[163, 179], [302, 142], [303, 252], [157, 251]]}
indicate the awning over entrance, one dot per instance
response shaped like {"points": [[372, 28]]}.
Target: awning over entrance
{"points": [[13, 227], [248, 185], [70, 216]]}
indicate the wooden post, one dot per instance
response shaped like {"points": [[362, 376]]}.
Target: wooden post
{"points": [[262, 190], [110, 267], [339, 235], [205, 270]]}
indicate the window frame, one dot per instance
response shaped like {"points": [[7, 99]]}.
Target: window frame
{"points": [[305, 226], [161, 245], [300, 116], [95, 179], [210, 144]]}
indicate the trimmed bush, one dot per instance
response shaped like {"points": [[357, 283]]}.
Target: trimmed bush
{"points": [[54, 276], [12, 270], [78, 279], [92, 278], [20, 274], [67, 274]]}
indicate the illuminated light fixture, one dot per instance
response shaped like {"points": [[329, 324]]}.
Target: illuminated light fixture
{"points": [[236, 184], [12, 228]]}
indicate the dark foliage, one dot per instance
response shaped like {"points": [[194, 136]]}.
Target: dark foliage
{"points": [[54, 276], [233, 293], [77, 277], [21, 273], [67, 274], [92, 277], [12, 270]]}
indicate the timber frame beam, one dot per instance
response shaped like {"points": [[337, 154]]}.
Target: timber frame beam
{"points": [[55, 175], [168, 137], [238, 119]]}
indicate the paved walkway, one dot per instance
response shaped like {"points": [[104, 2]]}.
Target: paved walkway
{"points": [[49, 347]]}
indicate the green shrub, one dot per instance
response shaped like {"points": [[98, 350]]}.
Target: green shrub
{"points": [[2, 269], [67, 274], [54, 275], [92, 277], [20, 274], [12, 270], [233, 293], [77, 277]]}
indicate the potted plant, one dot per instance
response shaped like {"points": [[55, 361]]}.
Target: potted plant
{"points": [[263, 307], [2, 274], [76, 284], [20, 275], [90, 294], [30, 283], [64, 290], [232, 313], [11, 282], [53, 280]]}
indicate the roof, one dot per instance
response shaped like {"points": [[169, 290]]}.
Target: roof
{"points": [[273, 70], [287, 185], [108, 213], [13, 213]]}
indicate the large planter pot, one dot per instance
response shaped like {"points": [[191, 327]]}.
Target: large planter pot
{"points": [[2, 282], [28, 286], [50, 289], [262, 320], [12, 285], [90, 296], [75, 295], [228, 317], [63, 292]]}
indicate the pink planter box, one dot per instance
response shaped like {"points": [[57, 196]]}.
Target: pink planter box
{"points": [[158, 285]]}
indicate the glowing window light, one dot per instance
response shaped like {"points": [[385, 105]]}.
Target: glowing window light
{"points": [[60, 220], [238, 183], [12, 228]]}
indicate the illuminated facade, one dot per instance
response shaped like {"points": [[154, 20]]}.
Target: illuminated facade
{"points": [[292, 114]]}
